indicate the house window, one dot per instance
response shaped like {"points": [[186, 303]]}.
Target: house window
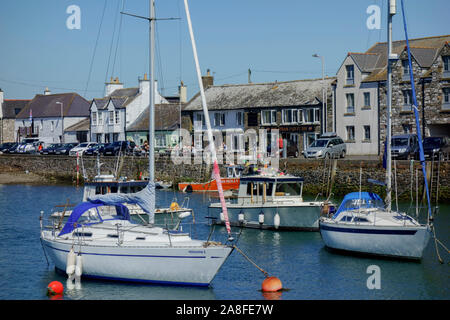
{"points": [[111, 117], [350, 103], [100, 118], [405, 65], [252, 119], [366, 133], [446, 60], [94, 118], [407, 100], [300, 116], [290, 116], [350, 74], [446, 98], [219, 119], [200, 120], [116, 117], [52, 126], [268, 116], [366, 99], [160, 140], [350, 133], [239, 118]]}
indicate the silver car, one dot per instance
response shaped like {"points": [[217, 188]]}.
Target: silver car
{"points": [[327, 146]]}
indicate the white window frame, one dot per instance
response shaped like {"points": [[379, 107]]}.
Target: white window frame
{"points": [[100, 118], [350, 133], [407, 100], [239, 118], [116, 117], [111, 117], [366, 132], [219, 119], [366, 97], [350, 74], [446, 98], [272, 116], [350, 108], [94, 118]]}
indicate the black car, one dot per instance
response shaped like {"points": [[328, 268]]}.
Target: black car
{"points": [[65, 148], [114, 148], [4, 147], [97, 149], [13, 149], [434, 147], [51, 149]]}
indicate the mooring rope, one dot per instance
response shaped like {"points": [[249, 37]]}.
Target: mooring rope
{"points": [[246, 257]]}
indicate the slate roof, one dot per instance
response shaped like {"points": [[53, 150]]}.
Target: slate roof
{"points": [[9, 107], [274, 94], [82, 125], [120, 97], [46, 106], [374, 60], [167, 117]]}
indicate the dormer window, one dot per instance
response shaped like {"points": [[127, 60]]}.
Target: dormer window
{"points": [[350, 74], [407, 100], [446, 62]]}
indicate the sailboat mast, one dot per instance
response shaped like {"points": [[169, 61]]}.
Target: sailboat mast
{"points": [[151, 128], [391, 12]]}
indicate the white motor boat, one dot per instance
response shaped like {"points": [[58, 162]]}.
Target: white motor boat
{"points": [[270, 200], [362, 224]]}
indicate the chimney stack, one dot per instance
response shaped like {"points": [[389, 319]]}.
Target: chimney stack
{"points": [[183, 92], [112, 85], [1, 102], [144, 84], [207, 80], [47, 92]]}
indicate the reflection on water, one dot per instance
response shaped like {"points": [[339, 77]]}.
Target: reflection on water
{"points": [[299, 259]]}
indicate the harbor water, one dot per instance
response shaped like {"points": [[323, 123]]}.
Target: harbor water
{"points": [[307, 269]]}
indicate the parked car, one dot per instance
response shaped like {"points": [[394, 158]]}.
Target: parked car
{"points": [[65, 148], [29, 145], [328, 145], [4, 147], [81, 148], [95, 149], [292, 149], [51, 148], [114, 148], [12, 149], [404, 146], [435, 147]]}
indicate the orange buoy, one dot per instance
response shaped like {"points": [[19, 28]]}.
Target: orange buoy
{"points": [[55, 288], [271, 284]]}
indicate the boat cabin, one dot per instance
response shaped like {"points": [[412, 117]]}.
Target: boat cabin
{"points": [[104, 184], [261, 189]]}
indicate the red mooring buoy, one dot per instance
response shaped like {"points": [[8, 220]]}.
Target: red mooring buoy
{"points": [[271, 284], [55, 288]]}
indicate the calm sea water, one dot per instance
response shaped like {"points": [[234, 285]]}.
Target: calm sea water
{"points": [[299, 259]]}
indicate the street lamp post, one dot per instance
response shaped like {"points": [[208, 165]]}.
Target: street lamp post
{"points": [[62, 122], [324, 102]]}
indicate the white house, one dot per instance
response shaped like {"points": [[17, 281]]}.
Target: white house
{"points": [[47, 116], [111, 115]]}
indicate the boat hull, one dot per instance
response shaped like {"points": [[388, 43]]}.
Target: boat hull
{"points": [[227, 184], [190, 266], [303, 217], [400, 242]]}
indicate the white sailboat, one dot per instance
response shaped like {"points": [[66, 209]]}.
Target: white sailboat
{"points": [[363, 223], [106, 245]]}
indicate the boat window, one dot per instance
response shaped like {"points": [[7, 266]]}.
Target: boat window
{"points": [[269, 189], [140, 238], [358, 219], [112, 235], [346, 218], [139, 188], [98, 190], [114, 189], [82, 234], [287, 189], [124, 189], [132, 189]]}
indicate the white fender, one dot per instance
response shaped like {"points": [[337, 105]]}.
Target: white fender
{"points": [[70, 265], [261, 218], [241, 217], [222, 217], [183, 215], [276, 221], [79, 266]]}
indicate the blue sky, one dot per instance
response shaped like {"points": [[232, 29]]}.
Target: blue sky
{"points": [[275, 39]]}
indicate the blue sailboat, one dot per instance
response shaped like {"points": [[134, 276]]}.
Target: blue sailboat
{"points": [[364, 223]]}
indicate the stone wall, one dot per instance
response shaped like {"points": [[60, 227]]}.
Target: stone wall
{"points": [[315, 172]]}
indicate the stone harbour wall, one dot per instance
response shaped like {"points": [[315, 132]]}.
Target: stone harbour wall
{"points": [[316, 173]]}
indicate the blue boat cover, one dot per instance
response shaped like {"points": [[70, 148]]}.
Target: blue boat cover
{"points": [[144, 198], [77, 212], [369, 200]]}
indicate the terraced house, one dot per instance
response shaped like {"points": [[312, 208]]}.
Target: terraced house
{"points": [[292, 107], [361, 93]]}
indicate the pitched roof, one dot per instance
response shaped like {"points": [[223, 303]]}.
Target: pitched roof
{"points": [[423, 50], [120, 97], [11, 106], [167, 117], [44, 106], [82, 125], [273, 94]]}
